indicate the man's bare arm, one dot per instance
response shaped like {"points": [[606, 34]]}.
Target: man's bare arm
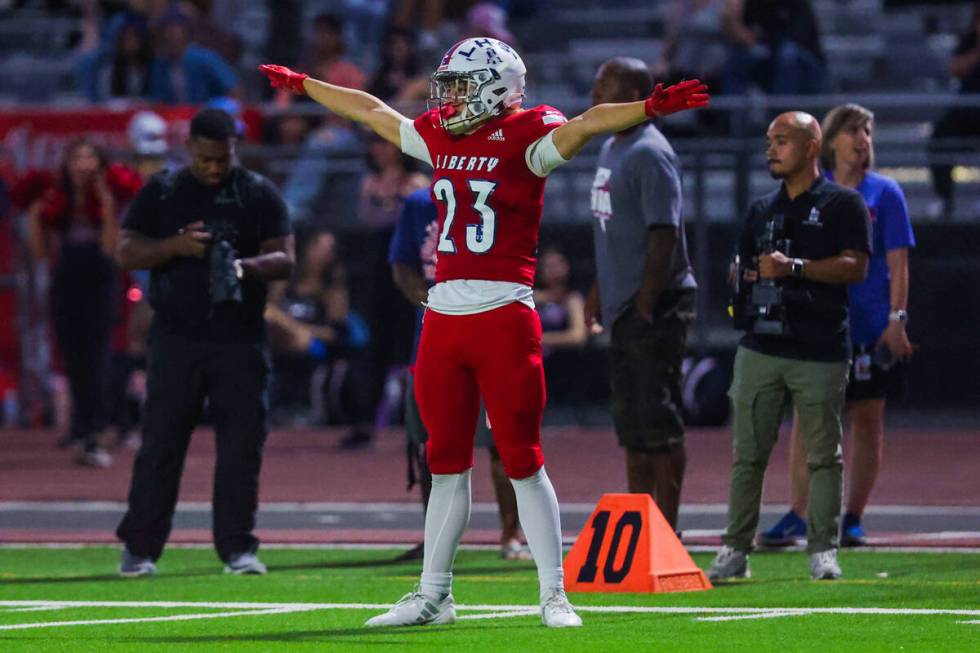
{"points": [[410, 282], [656, 269], [961, 65], [138, 252], [850, 266], [734, 26], [275, 263]]}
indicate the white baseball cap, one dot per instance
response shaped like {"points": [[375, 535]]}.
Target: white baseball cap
{"points": [[148, 134]]}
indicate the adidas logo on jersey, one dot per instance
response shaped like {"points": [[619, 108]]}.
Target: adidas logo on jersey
{"points": [[496, 136]]}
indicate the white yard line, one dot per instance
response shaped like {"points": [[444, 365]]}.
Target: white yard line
{"points": [[760, 615], [209, 605], [530, 612], [842, 610], [135, 620]]}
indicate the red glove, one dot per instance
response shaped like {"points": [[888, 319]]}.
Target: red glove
{"points": [[689, 94], [282, 77]]}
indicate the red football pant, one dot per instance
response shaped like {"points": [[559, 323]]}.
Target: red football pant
{"points": [[496, 355]]}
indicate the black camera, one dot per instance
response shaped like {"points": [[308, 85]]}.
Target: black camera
{"points": [[761, 307], [768, 300], [223, 282]]}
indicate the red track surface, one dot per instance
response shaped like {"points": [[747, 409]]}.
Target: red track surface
{"points": [[921, 468]]}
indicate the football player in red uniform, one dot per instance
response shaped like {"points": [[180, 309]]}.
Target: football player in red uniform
{"points": [[481, 335]]}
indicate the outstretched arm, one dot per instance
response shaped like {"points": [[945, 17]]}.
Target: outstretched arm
{"points": [[850, 266], [571, 137], [348, 103]]}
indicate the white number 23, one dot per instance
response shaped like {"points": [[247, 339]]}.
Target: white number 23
{"points": [[479, 237]]}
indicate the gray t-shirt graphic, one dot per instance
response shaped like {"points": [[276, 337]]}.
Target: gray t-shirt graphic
{"points": [[637, 187]]}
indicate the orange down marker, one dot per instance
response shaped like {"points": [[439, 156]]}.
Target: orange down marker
{"points": [[628, 546]]}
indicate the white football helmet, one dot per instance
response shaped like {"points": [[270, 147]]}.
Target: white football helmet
{"points": [[477, 79]]}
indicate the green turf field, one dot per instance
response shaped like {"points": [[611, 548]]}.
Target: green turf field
{"points": [[316, 600]]}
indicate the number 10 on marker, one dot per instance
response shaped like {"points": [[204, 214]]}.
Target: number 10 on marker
{"points": [[611, 573]]}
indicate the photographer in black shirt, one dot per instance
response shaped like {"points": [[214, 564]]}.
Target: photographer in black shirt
{"points": [[800, 247], [213, 234]]}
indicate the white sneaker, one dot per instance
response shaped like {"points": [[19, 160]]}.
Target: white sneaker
{"points": [[95, 457], [416, 609], [824, 566], [557, 612], [514, 550], [729, 563], [245, 564]]}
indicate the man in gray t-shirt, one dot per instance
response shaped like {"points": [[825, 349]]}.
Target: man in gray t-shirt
{"points": [[645, 288]]}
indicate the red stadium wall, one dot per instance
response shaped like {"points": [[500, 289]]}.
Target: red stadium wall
{"points": [[33, 137]]}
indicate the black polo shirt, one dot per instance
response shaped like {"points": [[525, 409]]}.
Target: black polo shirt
{"points": [[246, 202], [820, 223]]}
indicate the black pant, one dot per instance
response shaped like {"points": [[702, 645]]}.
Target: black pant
{"points": [[83, 309], [121, 413], [961, 122], [181, 373]]}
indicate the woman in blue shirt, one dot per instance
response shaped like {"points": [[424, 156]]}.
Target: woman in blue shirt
{"points": [[878, 317]]}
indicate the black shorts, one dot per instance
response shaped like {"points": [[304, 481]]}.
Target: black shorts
{"points": [[869, 381], [645, 367]]}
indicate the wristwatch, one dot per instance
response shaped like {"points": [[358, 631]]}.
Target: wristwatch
{"points": [[901, 315], [797, 267], [239, 270]]}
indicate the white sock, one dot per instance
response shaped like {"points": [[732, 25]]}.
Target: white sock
{"points": [[445, 520], [537, 507]]}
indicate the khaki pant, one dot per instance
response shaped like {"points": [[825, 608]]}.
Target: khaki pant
{"points": [[759, 390]]}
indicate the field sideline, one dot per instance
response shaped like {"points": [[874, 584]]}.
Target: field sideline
{"points": [[69, 599]]}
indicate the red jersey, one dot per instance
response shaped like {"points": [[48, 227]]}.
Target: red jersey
{"points": [[489, 200]]}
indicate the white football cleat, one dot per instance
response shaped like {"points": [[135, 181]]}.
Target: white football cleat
{"points": [[416, 609], [824, 566], [557, 612]]}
